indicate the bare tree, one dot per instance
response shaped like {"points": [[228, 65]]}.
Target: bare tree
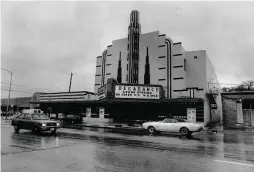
{"points": [[225, 89], [249, 85], [245, 86]]}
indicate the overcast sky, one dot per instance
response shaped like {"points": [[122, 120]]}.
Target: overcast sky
{"points": [[42, 42]]}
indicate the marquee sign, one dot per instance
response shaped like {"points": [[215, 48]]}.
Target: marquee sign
{"points": [[102, 92], [137, 92]]}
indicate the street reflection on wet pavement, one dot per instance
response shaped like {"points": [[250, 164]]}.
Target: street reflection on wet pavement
{"points": [[93, 149]]}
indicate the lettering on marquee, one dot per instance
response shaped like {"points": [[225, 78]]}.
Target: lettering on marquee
{"points": [[138, 92]]}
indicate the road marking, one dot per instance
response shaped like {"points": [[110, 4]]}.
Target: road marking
{"points": [[230, 162]]}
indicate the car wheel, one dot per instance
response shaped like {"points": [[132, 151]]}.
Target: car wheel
{"points": [[151, 130], [184, 131], [36, 130], [16, 128], [54, 132]]}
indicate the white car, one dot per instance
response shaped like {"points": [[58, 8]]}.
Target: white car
{"points": [[172, 125]]}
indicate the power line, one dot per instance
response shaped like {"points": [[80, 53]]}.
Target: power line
{"points": [[17, 91], [7, 88], [28, 86], [23, 89]]}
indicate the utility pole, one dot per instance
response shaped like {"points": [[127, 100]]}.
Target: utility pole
{"points": [[70, 82], [9, 89], [9, 93]]}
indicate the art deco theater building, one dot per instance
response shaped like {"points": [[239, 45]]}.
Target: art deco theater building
{"points": [[147, 75], [144, 77]]}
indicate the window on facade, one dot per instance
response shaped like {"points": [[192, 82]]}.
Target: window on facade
{"points": [[127, 77], [184, 64]]}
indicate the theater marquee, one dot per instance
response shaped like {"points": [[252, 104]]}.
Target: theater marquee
{"points": [[137, 92]]}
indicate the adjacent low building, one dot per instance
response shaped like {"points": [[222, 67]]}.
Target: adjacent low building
{"points": [[238, 109], [64, 102], [16, 104]]}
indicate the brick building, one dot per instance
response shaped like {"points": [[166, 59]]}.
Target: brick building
{"points": [[238, 108]]}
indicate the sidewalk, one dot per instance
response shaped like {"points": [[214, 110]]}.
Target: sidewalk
{"points": [[122, 126], [105, 125]]}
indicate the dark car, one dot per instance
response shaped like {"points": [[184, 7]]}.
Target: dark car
{"points": [[37, 122], [6, 114], [72, 119]]}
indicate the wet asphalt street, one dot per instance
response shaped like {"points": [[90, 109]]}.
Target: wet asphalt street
{"points": [[107, 150]]}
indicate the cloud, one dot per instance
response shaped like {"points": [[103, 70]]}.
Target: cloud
{"points": [[42, 42]]}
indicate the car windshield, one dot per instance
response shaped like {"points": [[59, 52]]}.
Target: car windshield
{"points": [[39, 117]]}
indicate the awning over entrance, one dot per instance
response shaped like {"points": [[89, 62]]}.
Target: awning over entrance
{"points": [[160, 101], [131, 109], [118, 100]]}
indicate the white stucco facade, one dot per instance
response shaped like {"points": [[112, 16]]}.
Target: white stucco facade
{"points": [[181, 73]]}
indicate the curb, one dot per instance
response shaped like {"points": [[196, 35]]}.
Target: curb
{"points": [[105, 127], [141, 129]]}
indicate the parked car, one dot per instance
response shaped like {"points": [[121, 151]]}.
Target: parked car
{"points": [[37, 122], [172, 125], [8, 114], [3, 113], [72, 119]]}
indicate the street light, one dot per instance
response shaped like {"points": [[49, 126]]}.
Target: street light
{"points": [[9, 88]]}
